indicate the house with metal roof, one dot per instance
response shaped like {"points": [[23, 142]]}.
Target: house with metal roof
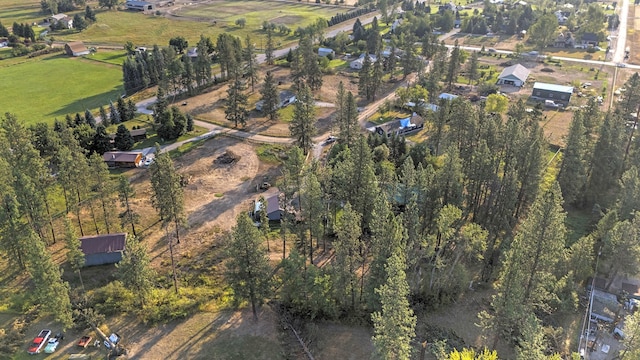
{"points": [[447, 96], [140, 5], [102, 249], [559, 94], [404, 126], [326, 52], [515, 75]]}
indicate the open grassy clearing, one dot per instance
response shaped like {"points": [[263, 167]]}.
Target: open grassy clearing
{"points": [[19, 11], [115, 57], [60, 84]]}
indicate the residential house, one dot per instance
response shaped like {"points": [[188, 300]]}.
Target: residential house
{"points": [[515, 75], [102, 249], [395, 24], [400, 126], [140, 5], [4, 42], [66, 21], [357, 63], [447, 96], [326, 52], [76, 48], [286, 98], [589, 39], [561, 17], [192, 53], [274, 211], [559, 94], [136, 134], [564, 40], [122, 159]]}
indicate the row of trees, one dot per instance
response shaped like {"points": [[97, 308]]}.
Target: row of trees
{"points": [[163, 67]]}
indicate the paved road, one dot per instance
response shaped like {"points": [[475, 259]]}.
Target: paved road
{"points": [[621, 41], [583, 61]]}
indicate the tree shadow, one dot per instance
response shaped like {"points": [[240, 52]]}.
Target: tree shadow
{"points": [[91, 102]]}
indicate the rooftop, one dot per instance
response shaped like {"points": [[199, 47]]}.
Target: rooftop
{"points": [[98, 244], [517, 70], [553, 87]]}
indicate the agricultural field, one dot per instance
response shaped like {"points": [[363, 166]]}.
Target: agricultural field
{"points": [[19, 11], [49, 87]]}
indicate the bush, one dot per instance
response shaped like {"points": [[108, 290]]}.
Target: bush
{"points": [[114, 298]]}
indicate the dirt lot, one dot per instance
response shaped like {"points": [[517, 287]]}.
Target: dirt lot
{"points": [[210, 106]]}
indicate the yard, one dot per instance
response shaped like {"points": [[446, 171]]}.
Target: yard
{"points": [[61, 85]]}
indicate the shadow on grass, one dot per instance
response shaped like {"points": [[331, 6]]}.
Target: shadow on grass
{"points": [[91, 102]]}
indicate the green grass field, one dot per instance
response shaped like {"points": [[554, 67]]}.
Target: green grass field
{"points": [[49, 87], [21, 11]]}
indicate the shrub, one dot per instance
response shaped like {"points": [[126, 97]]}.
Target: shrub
{"points": [[114, 298]]}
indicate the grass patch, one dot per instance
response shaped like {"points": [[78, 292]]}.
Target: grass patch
{"points": [[61, 85], [218, 195], [337, 64], [109, 57], [378, 118], [185, 148], [270, 153]]}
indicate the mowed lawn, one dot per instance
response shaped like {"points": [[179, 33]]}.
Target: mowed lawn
{"points": [[21, 11], [45, 88]]}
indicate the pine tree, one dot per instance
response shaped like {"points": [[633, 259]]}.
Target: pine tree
{"points": [[89, 14], [203, 62], [629, 195], [103, 117], [349, 127], [454, 65], [622, 247], [89, 119], [472, 68], [123, 140], [347, 257], [114, 115], [269, 48], [573, 171], [364, 75], [302, 126], [168, 196], [190, 124], [49, 289], [236, 104], [251, 63], [103, 188], [101, 140], [394, 326], [79, 23], [312, 208], [606, 164], [270, 98], [264, 220], [135, 269], [631, 341], [528, 275], [248, 268], [188, 75], [125, 195], [75, 256]]}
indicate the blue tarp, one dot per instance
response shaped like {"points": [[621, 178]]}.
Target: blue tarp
{"points": [[405, 123]]}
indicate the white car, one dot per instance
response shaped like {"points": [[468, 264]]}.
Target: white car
{"points": [[148, 162], [52, 345]]}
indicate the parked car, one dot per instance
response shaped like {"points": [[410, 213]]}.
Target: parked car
{"points": [[39, 341], [84, 341], [52, 345], [148, 161], [114, 338], [330, 140], [492, 50]]}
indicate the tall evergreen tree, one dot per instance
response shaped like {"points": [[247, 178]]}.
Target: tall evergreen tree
{"points": [[168, 196], [236, 104], [248, 266], [606, 163], [312, 208], [104, 119], [89, 118], [101, 140], [202, 66], [123, 140], [364, 78], [251, 63], [347, 257], [75, 256], [104, 189], [125, 195], [472, 68], [302, 126], [49, 288], [269, 47], [135, 269], [270, 98], [573, 171], [394, 326]]}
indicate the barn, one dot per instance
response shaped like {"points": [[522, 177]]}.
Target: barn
{"points": [[76, 48], [102, 249]]}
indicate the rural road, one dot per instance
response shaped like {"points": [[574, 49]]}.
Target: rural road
{"points": [[621, 41]]}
